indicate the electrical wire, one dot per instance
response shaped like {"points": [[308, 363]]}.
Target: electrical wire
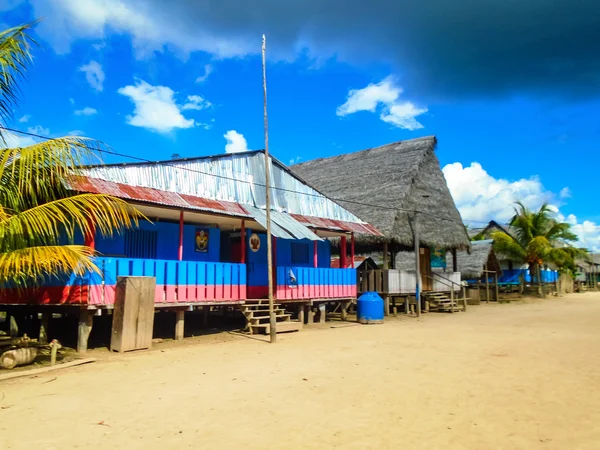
{"points": [[166, 163]]}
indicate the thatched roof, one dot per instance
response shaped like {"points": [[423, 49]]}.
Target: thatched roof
{"points": [[471, 266], [390, 183]]}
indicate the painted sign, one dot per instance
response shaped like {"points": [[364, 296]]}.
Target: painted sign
{"points": [[254, 242], [438, 258], [292, 280], [202, 240]]}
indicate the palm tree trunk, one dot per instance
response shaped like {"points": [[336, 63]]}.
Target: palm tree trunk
{"points": [[540, 284]]}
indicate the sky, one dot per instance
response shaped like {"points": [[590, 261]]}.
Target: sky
{"points": [[511, 89]]}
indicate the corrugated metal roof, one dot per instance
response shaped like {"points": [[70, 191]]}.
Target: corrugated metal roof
{"points": [[236, 178], [337, 225], [156, 196], [283, 225]]}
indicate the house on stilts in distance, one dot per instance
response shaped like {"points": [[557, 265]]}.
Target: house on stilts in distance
{"points": [[400, 189], [205, 242]]}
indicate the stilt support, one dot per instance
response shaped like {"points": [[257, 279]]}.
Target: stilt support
{"points": [[179, 324], [43, 336], [86, 320], [322, 312]]}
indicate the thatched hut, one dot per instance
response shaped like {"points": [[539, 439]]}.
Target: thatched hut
{"points": [[389, 186], [472, 266]]}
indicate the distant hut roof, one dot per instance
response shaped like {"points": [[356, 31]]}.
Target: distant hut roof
{"points": [[385, 185], [471, 266]]}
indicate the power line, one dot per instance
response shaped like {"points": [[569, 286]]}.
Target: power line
{"points": [[165, 163]]}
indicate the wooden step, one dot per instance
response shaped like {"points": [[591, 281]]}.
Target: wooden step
{"points": [[259, 319], [282, 327]]}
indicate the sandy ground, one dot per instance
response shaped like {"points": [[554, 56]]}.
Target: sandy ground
{"points": [[508, 376]]}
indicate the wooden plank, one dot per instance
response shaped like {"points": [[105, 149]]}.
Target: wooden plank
{"points": [[133, 316], [27, 373]]}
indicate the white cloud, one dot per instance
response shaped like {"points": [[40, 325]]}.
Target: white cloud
{"points": [[99, 46], [236, 142], [87, 111], [480, 197], [155, 108], [71, 101], [565, 193], [13, 140], [196, 102], [384, 96], [208, 69], [94, 75], [152, 26], [76, 133], [25, 118], [295, 160]]}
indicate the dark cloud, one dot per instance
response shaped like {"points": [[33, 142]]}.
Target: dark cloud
{"points": [[438, 48]]}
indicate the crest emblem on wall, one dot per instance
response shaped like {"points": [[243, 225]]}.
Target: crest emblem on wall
{"points": [[254, 242], [202, 241]]}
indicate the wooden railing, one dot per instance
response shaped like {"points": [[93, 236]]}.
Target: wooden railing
{"points": [[297, 283], [176, 281]]}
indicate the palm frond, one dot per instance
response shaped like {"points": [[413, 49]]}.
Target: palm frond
{"points": [[84, 213], [34, 264], [507, 245], [15, 44], [38, 172]]}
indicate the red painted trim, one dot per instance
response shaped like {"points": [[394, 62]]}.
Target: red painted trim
{"points": [[343, 249], [243, 243], [315, 254], [181, 236], [89, 239], [352, 249]]}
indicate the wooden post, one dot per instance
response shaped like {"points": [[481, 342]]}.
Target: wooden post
{"points": [[487, 284], [316, 254], [394, 307], [179, 324], [322, 312], [417, 263], [497, 287], [344, 311], [452, 299], [386, 264], [352, 249], [464, 293], [309, 313], [454, 261], [13, 326], [301, 308], [205, 313], [541, 286], [407, 304], [386, 303], [54, 346], [43, 336], [180, 253], [243, 242], [272, 320], [86, 320], [343, 249]]}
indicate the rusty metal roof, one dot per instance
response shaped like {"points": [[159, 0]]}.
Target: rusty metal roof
{"points": [[337, 225], [156, 196]]}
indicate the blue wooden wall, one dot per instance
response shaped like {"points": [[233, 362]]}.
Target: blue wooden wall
{"points": [[168, 242]]}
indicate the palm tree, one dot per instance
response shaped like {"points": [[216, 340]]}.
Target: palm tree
{"points": [[537, 237], [41, 218]]}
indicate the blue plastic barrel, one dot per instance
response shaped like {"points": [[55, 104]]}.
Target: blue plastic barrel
{"points": [[369, 308]]}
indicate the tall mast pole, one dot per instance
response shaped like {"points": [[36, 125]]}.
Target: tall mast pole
{"points": [[272, 322]]}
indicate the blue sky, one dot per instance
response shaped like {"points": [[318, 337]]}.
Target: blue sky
{"points": [[513, 117]]}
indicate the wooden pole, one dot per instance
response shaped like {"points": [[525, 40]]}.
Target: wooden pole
{"points": [[497, 288], [386, 264], [454, 261], [272, 321], [343, 249], [243, 243], [180, 254], [417, 264], [487, 284], [352, 249]]}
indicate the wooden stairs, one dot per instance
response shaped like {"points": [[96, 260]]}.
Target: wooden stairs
{"points": [[256, 313], [441, 302]]}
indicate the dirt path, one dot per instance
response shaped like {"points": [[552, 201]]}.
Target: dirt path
{"points": [[510, 376]]}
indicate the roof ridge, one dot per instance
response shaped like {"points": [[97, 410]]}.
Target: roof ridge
{"points": [[355, 152]]}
